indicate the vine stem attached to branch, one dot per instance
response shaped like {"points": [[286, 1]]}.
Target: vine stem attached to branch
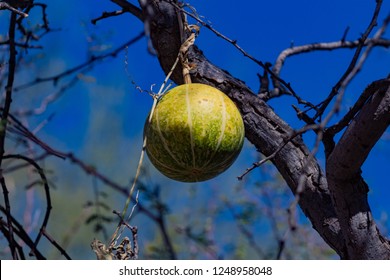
{"points": [[180, 57]]}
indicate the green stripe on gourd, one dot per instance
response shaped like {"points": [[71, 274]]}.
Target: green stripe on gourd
{"points": [[195, 134]]}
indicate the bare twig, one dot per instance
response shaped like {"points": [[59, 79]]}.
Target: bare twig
{"points": [[244, 230], [107, 181], [355, 65], [350, 69], [18, 128], [364, 55], [6, 6], [350, 73], [219, 34], [274, 223], [328, 141], [329, 46], [49, 99], [44, 14], [128, 7], [28, 33], [161, 222], [200, 240], [21, 45], [346, 119], [107, 15], [22, 234], [131, 253], [46, 188], [4, 120], [5, 231], [280, 147], [88, 63], [55, 244], [10, 83], [266, 66]]}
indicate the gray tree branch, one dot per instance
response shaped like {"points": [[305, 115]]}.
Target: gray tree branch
{"points": [[329, 46], [348, 188]]}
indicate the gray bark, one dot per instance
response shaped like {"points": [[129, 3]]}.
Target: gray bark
{"points": [[344, 176]]}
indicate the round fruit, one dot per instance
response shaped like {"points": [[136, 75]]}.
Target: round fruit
{"points": [[196, 133]]}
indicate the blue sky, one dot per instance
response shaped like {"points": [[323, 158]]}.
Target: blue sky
{"points": [[108, 109], [263, 29]]}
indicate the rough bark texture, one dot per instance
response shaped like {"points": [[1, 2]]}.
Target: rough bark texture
{"points": [[345, 182], [337, 207]]}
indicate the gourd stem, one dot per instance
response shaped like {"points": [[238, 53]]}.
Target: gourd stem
{"points": [[183, 52], [186, 74]]}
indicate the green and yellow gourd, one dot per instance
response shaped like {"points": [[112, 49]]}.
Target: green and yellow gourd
{"points": [[196, 133]]}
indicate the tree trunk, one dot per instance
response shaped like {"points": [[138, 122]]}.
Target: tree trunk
{"points": [[345, 182]]}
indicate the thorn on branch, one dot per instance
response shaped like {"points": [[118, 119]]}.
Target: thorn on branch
{"points": [[344, 38]]}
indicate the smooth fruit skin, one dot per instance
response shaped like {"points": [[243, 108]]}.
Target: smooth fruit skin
{"points": [[195, 134]]}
